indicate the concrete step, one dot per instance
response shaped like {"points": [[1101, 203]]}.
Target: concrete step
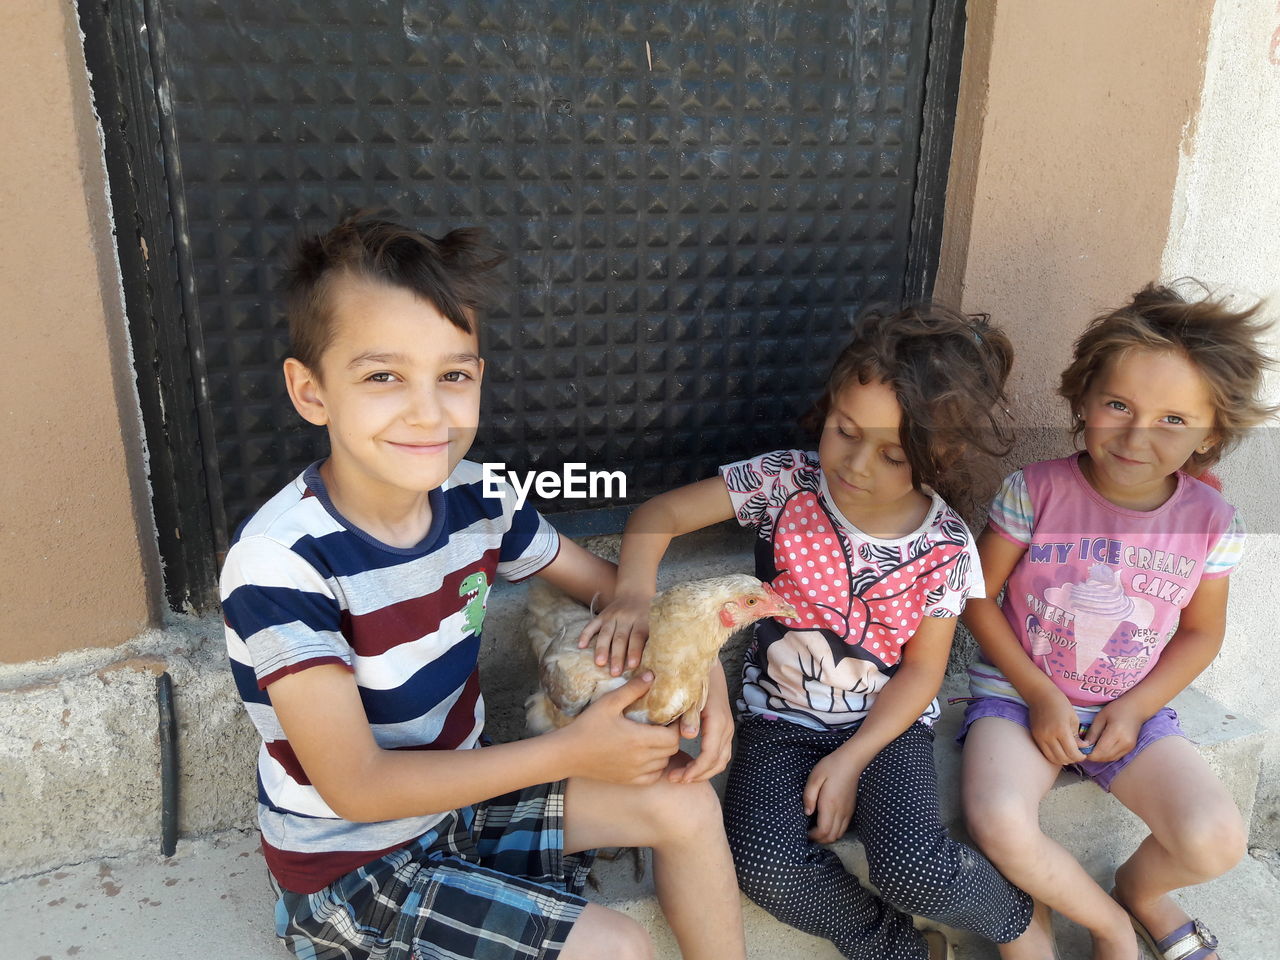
{"points": [[212, 898], [1242, 908]]}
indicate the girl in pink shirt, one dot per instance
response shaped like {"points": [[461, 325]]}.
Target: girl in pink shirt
{"points": [[1115, 564]]}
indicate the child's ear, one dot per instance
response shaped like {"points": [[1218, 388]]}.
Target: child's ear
{"points": [[304, 391]]}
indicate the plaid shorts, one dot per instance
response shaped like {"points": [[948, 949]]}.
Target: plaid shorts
{"points": [[502, 889]]}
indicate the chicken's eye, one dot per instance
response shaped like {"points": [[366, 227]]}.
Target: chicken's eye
{"points": [[751, 601]]}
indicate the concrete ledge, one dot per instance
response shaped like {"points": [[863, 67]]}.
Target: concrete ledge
{"points": [[80, 756], [145, 907]]}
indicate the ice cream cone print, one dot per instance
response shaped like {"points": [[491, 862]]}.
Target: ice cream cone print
{"points": [[1091, 635], [1099, 605]]}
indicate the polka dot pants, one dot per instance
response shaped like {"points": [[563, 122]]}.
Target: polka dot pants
{"points": [[915, 865]]}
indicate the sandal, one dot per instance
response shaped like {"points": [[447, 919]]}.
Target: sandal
{"points": [[1191, 941], [938, 944]]}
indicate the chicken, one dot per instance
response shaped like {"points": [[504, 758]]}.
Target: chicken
{"points": [[688, 624]]}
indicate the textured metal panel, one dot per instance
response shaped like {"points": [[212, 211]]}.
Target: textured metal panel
{"points": [[696, 197]]}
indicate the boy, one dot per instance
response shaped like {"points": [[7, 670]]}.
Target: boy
{"points": [[353, 602]]}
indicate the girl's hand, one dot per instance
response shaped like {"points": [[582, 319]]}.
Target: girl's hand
{"points": [[716, 725], [1055, 728], [832, 790], [619, 632], [1114, 731]]}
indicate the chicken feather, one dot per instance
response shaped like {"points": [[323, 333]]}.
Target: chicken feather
{"points": [[688, 624]]}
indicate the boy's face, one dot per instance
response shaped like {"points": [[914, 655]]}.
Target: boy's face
{"points": [[399, 390]]}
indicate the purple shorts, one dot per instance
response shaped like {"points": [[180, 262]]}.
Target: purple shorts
{"points": [[1163, 724]]}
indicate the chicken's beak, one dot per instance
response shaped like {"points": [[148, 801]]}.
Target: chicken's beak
{"points": [[780, 607]]}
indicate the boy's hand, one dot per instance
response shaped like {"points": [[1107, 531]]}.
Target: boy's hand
{"points": [[832, 791], [612, 748], [1055, 728], [1114, 731], [715, 722], [619, 631]]}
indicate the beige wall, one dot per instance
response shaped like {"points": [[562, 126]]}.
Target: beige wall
{"points": [[1225, 230], [1066, 154], [77, 557], [1106, 153]]}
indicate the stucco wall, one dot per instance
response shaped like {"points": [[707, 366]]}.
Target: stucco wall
{"points": [[1063, 170], [1068, 128], [77, 558], [1225, 230]]}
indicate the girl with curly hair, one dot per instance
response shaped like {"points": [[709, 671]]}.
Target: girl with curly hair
{"points": [[837, 705]]}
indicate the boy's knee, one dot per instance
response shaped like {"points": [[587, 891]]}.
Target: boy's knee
{"points": [[678, 811], [631, 942], [601, 932]]}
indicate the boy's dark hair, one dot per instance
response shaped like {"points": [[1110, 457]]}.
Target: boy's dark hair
{"points": [[1221, 343], [948, 370], [454, 273]]}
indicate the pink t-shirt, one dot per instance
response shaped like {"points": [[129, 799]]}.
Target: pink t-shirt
{"points": [[1097, 595]]}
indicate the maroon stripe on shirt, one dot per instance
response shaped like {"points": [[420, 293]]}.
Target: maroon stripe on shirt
{"points": [[458, 726], [312, 872], [461, 721], [282, 753], [377, 631], [298, 667]]}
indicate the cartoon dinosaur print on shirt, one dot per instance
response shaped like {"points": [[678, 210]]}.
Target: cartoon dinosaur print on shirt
{"points": [[476, 587]]}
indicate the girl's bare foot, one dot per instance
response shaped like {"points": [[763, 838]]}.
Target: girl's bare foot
{"points": [[1036, 942]]}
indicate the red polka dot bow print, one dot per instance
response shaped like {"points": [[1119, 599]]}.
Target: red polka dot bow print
{"points": [[875, 600]]}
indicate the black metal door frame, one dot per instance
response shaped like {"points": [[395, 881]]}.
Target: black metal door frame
{"points": [[125, 51], [124, 46]]}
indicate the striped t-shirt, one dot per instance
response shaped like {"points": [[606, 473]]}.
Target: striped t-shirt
{"points": [[302, 586]]}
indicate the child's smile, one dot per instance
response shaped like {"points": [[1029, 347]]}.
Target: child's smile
{"points": [[399, 390], [1144, 416]]}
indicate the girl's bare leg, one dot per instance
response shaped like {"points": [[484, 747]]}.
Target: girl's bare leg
{"points": [[1196, 831], [1004, 780]]}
